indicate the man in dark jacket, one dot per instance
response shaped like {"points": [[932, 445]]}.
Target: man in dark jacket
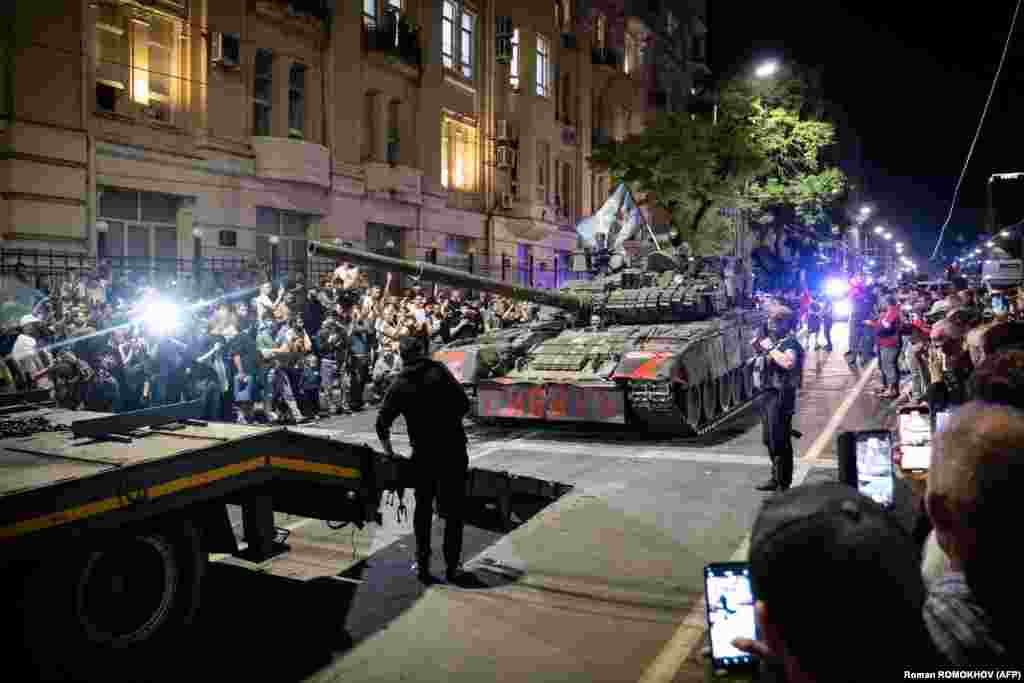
{"points": [[433, 404]]}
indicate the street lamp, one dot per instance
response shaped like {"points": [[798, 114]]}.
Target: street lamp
{"points": [[879, 230], [767, 69], [888, 235], [865, 211], [1005, 233], [990, 244]]}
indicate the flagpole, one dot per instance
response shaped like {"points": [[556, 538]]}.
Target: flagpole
{"points": [[647, 225]]}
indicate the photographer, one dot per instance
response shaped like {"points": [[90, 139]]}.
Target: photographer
{"points": [[362, 341], [32, 360]]}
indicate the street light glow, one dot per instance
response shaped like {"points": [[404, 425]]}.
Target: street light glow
{"points": [[767, 69], [865, 210], [1005, 233], [888, 235], [879, 230], [990, 244]]}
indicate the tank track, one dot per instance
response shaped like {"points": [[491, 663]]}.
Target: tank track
{"points": [[728, 415]]}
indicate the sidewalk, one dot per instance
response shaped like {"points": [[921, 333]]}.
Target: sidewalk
{"points": [[606, 584]]}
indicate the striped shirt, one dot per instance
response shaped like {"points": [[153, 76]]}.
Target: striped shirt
{"points": [[958, 625]]}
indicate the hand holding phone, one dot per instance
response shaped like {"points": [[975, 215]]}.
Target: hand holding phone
{"points": [[730, 611]]}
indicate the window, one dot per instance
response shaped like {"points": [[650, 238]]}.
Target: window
{"points": [[263, 93], [457, 38], [370, 14], [140, 225], [458, 154], [543, 160], [297, 101], [394, 128], [513, 73], [370, 124], [288, 227], [524, 259], [543, 66], [629, 58], [568, 205], [601, 31], [136, 60]]}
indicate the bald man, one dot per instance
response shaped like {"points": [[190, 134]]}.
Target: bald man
{"points": [[977, 469]]}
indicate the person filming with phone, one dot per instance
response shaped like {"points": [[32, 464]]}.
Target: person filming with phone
{"points": [[780, 368]]}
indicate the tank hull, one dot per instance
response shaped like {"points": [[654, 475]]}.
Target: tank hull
{"points": [[676, 378]]}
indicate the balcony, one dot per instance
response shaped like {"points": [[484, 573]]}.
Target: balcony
{"points": [[292, 160], [606, 56], [396, 38]]}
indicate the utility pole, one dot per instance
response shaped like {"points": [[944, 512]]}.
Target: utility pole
{"points": [[990, 210]]}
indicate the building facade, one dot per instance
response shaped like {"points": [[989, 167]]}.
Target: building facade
{"points": [[166, 129]]}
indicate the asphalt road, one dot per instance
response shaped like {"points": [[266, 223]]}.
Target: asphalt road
{"points": [[603, 585]]}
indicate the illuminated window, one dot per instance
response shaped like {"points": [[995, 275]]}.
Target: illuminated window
{"points": [[543, 66], [458, 154], [543, 161], [513, 77], [395, 5], [136, 60], [629, 58], [457, 26], [370, 13]]}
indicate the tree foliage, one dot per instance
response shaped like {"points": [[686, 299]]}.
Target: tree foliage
{"points": [[764, 153]]}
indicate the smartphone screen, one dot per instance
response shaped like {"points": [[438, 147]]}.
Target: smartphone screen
{"points": [[940, 420], [874, 467], [730, 606], [999, 304]]}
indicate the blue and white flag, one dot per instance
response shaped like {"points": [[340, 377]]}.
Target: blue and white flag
{"points": [[632, 220], [603, 220]]}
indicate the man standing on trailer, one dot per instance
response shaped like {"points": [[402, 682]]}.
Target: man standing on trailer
{"points": [[433, 404]]}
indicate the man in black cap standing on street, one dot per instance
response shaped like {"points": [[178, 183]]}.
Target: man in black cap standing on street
{"points": [[433, 404], [781, 369]]}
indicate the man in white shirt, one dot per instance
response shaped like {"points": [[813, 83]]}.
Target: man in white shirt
{"points": [[348, 274], [33, 363]]}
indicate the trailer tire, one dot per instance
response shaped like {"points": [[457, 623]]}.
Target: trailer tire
{"points": [[86, 600]]}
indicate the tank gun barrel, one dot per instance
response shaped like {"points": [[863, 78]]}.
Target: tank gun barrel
{"points": [[449, 276]]}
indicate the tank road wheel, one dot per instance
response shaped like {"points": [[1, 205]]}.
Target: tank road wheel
{"points": [[692, 407], [709, 399], [126, 594], [726, 392]]}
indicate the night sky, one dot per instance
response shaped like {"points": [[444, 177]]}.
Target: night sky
{"points": [[913, 77]]}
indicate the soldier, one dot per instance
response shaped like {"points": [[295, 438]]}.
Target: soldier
{"points": [[433, 404], [781, 368]]}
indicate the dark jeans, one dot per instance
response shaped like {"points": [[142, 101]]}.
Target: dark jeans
{"points": [[358, 372], [447, 485], [826, 326], [777, 409]]}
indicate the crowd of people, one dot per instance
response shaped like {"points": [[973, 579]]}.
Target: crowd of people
{"points": [[908, 600], [252, 350]]}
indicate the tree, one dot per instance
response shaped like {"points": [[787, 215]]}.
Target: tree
{"points": [[762, 154]]}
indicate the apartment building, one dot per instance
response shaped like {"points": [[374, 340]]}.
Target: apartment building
{"points": [[161, 129]]}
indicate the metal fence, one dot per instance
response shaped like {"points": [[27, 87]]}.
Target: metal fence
{"points": [[48, 269]]}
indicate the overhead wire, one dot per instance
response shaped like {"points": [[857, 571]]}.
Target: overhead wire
{"points": [[977, 133]]}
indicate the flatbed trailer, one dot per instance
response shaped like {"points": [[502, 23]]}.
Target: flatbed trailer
{"points": [[107, 521]]}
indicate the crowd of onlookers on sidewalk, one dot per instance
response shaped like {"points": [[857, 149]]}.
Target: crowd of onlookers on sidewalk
{"points": [[845, 592], [283, 351]]}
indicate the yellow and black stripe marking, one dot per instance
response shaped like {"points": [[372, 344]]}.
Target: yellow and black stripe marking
{"points": [[171, 487]]}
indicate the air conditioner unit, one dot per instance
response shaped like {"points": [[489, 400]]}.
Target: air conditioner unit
{"points": [[506, 200], [224, 49], [503, 129]]}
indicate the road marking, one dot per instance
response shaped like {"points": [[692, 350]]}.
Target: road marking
{"points": [[668, 662], [623, 453]]}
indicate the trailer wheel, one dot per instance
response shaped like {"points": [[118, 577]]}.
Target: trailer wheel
{"points": [[125, 595]]}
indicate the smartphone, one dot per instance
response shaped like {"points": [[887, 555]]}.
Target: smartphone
{"points": [[999, 304], [940, 419], [874, 467], [730, 609]]}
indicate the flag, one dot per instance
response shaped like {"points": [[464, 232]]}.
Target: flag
{"points": [[603, 220], [631, 222]]}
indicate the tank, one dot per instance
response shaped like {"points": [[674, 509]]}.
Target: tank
{"points": [[656, 346]]}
